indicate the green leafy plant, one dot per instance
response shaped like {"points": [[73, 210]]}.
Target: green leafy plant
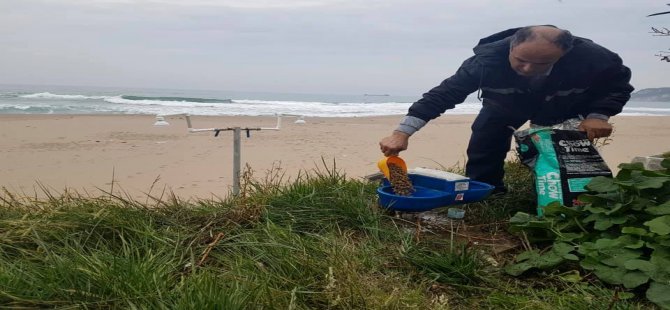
{"points": [[620, 232]]}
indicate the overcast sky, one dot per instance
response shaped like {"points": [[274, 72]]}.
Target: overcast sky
{"points": [[400, 47]]}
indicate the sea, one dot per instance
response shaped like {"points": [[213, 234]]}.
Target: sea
{"points": [[38, 99]]}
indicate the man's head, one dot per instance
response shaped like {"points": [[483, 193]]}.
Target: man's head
{"points": [[535, 49]]}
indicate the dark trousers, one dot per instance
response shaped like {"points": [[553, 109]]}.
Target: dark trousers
{"points": [[490, 141]]}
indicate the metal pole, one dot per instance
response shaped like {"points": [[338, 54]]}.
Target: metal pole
{"points": [[236, 160], [237, 149]]}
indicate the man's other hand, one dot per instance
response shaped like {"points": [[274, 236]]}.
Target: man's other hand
{"points": [[595, 128], [394, 144]]}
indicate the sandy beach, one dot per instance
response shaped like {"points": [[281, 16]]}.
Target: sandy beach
{"points": [[86, 152]]}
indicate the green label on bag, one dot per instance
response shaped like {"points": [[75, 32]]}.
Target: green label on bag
{"points": [[548, 174], [578, 184]]}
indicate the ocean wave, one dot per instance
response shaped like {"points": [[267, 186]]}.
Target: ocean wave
{"points": [[118, 104], [73, 101], [666, 110], [58, 108], [48, 95], [20, 109], [177, 99], [640, 114], [9, 95], [282, 102], [318, 108], [150, 102], [288, 102], [15, 107]]}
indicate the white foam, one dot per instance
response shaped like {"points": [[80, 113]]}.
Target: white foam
{"points": [[120, 100], [640, 114], [666, 110], [84, 103], [15, 106]]}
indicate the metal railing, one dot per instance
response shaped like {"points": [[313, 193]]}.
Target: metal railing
{"points": [[237, 133]]}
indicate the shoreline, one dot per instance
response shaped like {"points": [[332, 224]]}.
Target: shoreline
{"points": [[84, 152]]}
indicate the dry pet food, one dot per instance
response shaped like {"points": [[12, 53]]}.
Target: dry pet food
{"points": [[400, 180]]}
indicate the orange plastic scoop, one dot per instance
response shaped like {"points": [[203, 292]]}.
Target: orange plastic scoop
{"points": [[384, 162]]}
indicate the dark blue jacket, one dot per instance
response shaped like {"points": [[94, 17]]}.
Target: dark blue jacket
{"points": [[588, 79]]}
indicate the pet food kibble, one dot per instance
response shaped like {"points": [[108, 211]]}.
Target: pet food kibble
{"points": [[400, 181]]}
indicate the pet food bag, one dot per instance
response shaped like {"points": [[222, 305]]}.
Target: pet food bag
{"points": [[562, 159]]}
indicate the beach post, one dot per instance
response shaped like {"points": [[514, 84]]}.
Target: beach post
{"points": [[237, 149], [237, 145]]}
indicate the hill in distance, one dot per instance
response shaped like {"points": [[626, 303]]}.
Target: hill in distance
{"points": [[661, 94]]}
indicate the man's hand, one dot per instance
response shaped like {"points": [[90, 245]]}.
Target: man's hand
{"points": [[394, 144], [595, 128]]}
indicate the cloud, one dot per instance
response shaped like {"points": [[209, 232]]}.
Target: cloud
{"points": [[238, 4], [254, 4], [293, 45]]}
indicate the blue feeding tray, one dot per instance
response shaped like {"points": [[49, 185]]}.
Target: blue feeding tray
{"points": [[431, 193], [422, 199]]}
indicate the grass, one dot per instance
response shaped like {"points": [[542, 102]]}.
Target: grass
{"points": [[317, 242]]}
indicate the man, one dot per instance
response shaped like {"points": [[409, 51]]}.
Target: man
{"points": [[537, 73]]}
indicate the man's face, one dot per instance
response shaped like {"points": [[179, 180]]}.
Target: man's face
{"points": [[534, 58]]}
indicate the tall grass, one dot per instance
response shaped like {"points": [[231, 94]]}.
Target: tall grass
{"points": [[317, 242]]}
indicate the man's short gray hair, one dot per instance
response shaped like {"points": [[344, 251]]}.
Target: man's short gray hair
{"points": [[564, 40]]}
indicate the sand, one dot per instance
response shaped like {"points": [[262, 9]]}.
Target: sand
{"points": [[85, 153]]}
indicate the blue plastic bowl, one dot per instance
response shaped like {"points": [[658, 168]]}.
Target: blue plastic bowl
{"points": [[431, 193], [423, 199]]}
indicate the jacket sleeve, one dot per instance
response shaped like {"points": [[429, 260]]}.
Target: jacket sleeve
{"points": [[450, 92], [613, 90]]}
